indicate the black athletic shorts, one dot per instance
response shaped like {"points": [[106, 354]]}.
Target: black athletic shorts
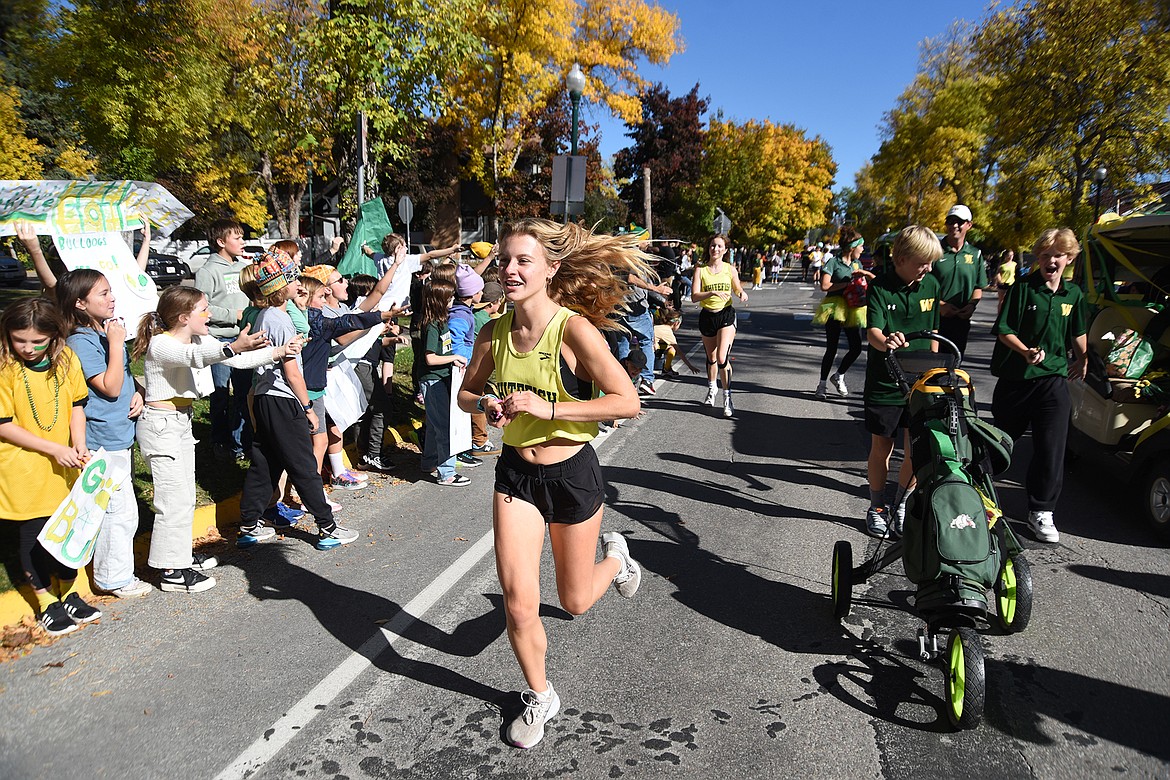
{"points": [[886, 420], [711, 322], [567, 492]]}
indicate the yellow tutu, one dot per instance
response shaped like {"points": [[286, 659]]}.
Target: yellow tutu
{"points": [[834, 307]]}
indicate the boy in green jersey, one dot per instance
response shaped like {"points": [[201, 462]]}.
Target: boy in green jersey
{"points": [[1042, 314], [902, 300]]}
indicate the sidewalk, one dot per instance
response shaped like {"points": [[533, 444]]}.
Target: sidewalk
{"points": [[210, 520]]}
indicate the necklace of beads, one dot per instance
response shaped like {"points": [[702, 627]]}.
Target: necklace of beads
{"points": [[33, 406]]}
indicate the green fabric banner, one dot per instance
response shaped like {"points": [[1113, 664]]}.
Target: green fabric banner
{"points": [[372, 226]]}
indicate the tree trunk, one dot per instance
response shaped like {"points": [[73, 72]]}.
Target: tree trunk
{"points": [[270, 192]]}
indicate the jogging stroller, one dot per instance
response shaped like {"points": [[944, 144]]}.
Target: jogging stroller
{"points": [[956, 545]]}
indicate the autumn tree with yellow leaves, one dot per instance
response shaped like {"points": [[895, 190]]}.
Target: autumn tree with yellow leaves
{"points": [[771, 180], [529, 47]]}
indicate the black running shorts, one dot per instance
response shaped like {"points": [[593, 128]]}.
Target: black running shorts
{"points": [[567, 492], [885, 420], [711, 322]]}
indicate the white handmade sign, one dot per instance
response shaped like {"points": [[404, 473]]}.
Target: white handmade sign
{"points": [[72, 530], [134, 292]]}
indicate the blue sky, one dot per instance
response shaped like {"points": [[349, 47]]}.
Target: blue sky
{"points": [[832, 68]]}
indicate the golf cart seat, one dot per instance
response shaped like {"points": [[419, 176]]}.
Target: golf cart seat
{"points": [[1108, 419]]}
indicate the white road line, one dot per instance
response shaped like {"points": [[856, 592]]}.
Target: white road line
{"points": [[291, 723], [303, 712]]}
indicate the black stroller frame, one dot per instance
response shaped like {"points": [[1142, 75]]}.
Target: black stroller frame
{"points": [[961, 618]]}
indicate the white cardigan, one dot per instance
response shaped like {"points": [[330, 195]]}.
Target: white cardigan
{"points": [[177, 370]]}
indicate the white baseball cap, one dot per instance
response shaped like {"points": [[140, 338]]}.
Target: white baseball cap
{"points": [[960, 211]]}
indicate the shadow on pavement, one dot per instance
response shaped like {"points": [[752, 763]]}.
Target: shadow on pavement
{"points": [[1142, 582], [1118, 713], [352, 616]]}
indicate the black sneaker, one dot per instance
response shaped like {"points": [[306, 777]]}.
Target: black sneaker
{"points": [[77, 609], [186, 581], [375, 463], [468, 460], [202, 562], [55, 620]]}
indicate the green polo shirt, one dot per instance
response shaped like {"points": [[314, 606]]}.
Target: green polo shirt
{"points": [[839, 271], [892, 307], [1040, 318], [960, 273]]}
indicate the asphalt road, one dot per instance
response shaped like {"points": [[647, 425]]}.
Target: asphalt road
{"points": [[387, 658]]}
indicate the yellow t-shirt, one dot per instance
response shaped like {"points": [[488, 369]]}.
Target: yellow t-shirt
{"points": [[31, 484], [1007, 274], [715, 282], [540, 372]]}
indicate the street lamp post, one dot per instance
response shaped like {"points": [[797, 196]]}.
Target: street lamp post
{"points": [[1098, 178], [576, 84], [312, 245]]}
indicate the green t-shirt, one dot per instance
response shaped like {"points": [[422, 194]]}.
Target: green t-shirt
{"points": [[892, 307], [1042, 318], [839, 270], [436, 339], [300, 319], [960, 272]]}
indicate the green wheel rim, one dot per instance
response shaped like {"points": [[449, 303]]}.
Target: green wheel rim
{"points": [[1006, 597], [958, 677]]}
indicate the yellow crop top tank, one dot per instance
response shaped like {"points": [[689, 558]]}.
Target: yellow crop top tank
{"points": [[715, 282], [540, 372]]}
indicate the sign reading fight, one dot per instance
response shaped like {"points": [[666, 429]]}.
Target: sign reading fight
{"points": [[72, 530], [76, 207]]}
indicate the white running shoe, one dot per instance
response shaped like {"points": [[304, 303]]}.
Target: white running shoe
{"points": [[838, 383], [629, 576], [1042, 525], [710, 399], [528, 727], [822, 389], [728, 409]]}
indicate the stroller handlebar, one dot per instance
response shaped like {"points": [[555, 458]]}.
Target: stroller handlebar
{"points": [[896, 369]]}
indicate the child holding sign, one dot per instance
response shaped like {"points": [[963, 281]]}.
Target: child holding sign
{"points": [[42, 443], [99, 341]]}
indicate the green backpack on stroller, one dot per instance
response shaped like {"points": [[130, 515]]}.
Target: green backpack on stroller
{"points": [[952, 537]]}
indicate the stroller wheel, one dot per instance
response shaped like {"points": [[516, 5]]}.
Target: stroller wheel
{"points": [[842, 579], [966, 688], [1013, 595]]}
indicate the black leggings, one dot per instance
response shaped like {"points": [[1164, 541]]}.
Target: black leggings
{"points": [[35, 560], [833, 330]]}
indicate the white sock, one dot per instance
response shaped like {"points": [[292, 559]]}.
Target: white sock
{"points": [[546, 694], [336, 463]]}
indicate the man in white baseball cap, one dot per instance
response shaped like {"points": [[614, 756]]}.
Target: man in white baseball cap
{"points": [[962, 275]]}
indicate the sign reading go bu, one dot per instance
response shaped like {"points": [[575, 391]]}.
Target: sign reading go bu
{"points": [[71, 531]]}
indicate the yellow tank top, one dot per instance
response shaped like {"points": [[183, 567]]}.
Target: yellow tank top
{"points": [[715, 282], [540, 372]]}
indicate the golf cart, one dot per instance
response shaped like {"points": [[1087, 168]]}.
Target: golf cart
{"points": [[1124, 408]]}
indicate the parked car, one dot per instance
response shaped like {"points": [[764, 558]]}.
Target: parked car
{"points": [[1125, 273], [11, 271], [166, 270]]}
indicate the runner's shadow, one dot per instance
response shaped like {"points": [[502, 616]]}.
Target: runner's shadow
{"points": [[353, 616]]}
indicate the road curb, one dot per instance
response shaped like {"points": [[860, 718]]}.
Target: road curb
{"points": [[15, 605]]}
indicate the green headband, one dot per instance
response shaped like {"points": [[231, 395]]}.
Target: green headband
{"points": [[856, 243]]}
